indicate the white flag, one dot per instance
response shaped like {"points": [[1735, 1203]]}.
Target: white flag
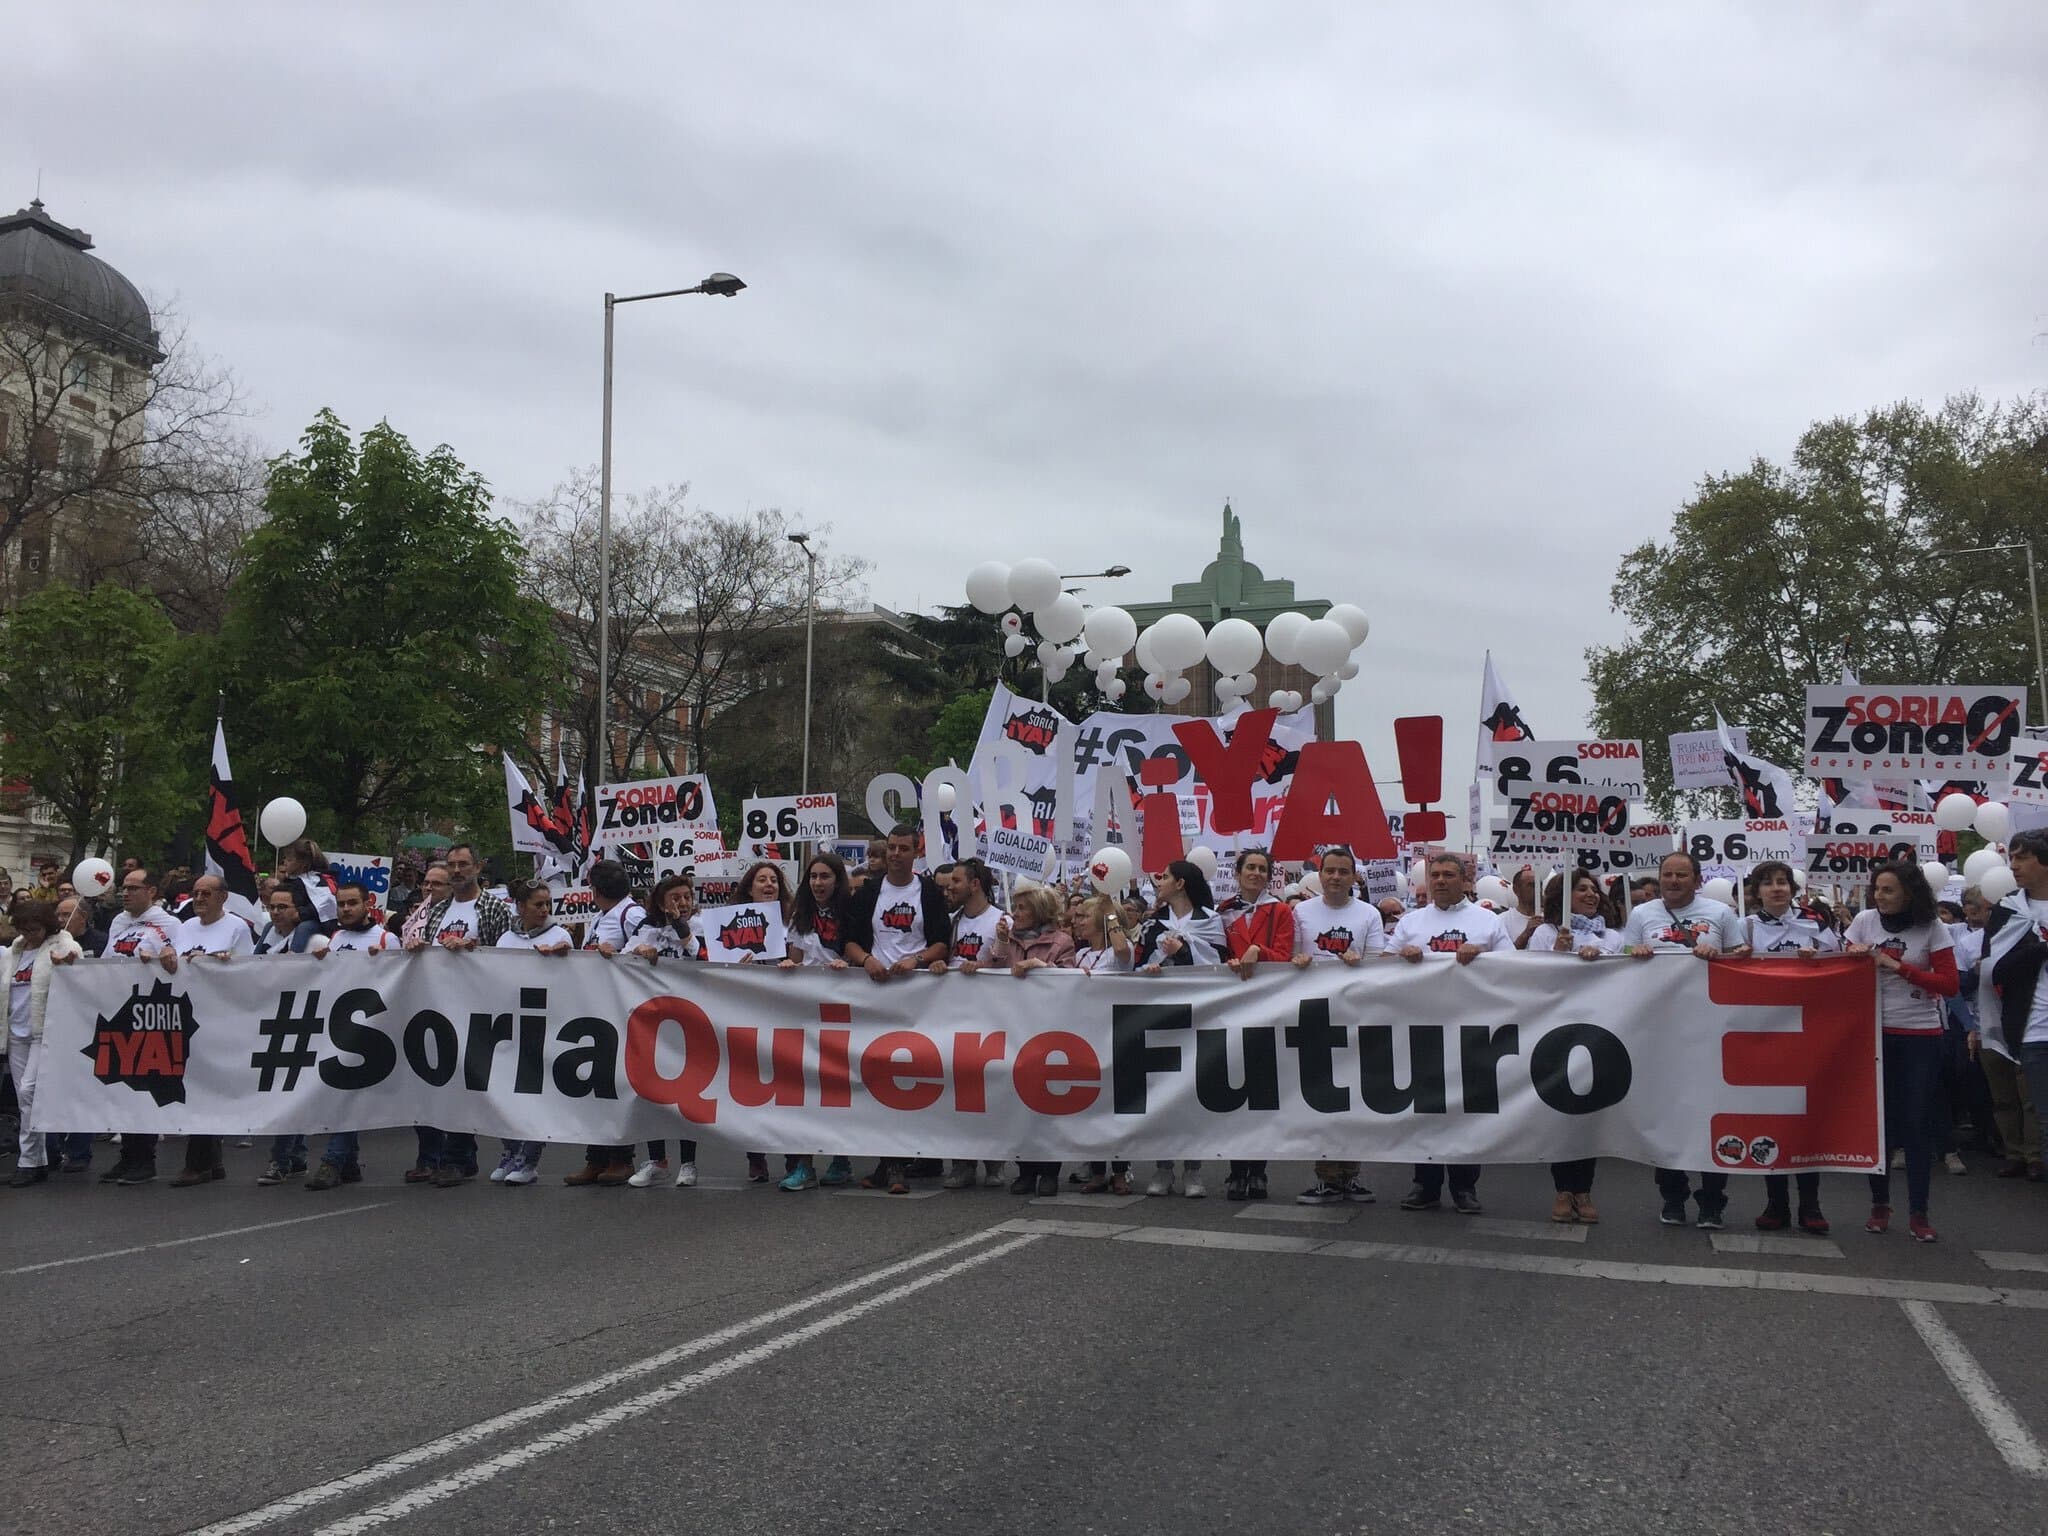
{"points": [[1766, 789], [1500, 718]]}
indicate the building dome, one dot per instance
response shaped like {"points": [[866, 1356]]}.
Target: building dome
{"points": [[47, 265]]}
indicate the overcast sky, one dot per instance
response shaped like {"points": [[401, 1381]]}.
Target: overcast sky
{"points": [[1453, 303]]}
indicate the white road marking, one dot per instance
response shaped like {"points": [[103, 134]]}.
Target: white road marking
{"points": [[2006, 1430], [883, 1194], [1308, 1215], [430, 1494], [1778, 1243], [1697, 1275], [180, 1242], [462, 1439], [2037, 1262], [1090, 1202], [1533, 1231]]}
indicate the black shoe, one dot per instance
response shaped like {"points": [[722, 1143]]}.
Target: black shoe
{"points": [[113, 1174], [1048, 1186], [1416, 1200], [1710, 1215], [136, 1173], [1673, 1214], [1024, 1184], [1237, 1187], [1467, 1202], [1255, 1187], [352, 1174], [23, 1177], [76, 1165]]}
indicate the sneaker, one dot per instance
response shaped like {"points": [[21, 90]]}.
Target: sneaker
{"points": [[1898, 1158], [686, 1176], [23, 1177], [1234, 1187], [654, 1168], [1416, 1200], [1773, 1218], [1811, 1220], [1356, 1192], [959, 1176], [189, 1178], [1563, 1209], [505, 1165], [136, 1173], [1880, 1220], [617, 1175], [1673, 1214], [447, 1176], [420, 1173], [993, 1175], [1162, 1183], [276, 1173], [327, 1176], [1711, 1216], [1953, 1162], [1048, 1186], [1255, 1187], [1026, 1183], [1119, 1183], [799, 1179], [898, 1187], [1320, 1193], [525, 1173], [879, 1179], [113, 1174], [1193, 1187], [1466, 1202], [1588, 1212], [1916, 1223], [837, 1172], [84, 1164], [2011, 1168], [757, 1168], [589, 1173]]}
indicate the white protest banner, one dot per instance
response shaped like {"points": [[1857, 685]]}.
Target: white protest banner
{"points": [[1742, 842], [573, 903], [1016, 851], [718, 874], [1382, 878], [2029, 775], [742, 930], [1513, 1058], [1616, 763], [1696, 760], [1856, 840], [1882, 731], [649, 825], [372, 871], [784, 819], [1567, 815], [1648, 842]]}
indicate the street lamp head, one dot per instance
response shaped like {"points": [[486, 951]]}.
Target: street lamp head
{"points": [[800, 538], [1118, 570], [723, 284]]}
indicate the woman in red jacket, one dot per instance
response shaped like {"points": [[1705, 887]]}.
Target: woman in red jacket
{"points": [[1260, 929], [1916, 968]]}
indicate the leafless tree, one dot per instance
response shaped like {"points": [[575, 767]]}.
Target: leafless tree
{"points": [[701, 604]]}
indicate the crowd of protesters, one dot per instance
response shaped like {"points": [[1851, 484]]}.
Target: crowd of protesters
{"points": [[1964, 1023]]}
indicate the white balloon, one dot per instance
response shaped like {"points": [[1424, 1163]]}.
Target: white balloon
{"points": [[1178, 689], [1013, 645], [1034, 584], [283, 821], [1980, 864], [1048, 654], [1247, 683], [1799, 878], [1293, 700], [1277, 699], [1056, 673], [1226, 690], [1110, 630], [1993, 821], [1353, 618], [1720, 889], [1178, 642], [1493, 888], [1936, 874], [1954, 812], [944, 798], [1156, 685], [1418, 875], [1013, 623], [1324, 687], [1117, 690], [1324, 646], [1109, 870], [988, 586], [1104, 671], [1095, 659], [93, 877], [1283, 636], [1347, 672], [1998, 885], [319, 944], [1204, 859], [1061, 619], [1234, 646], [1141, 652]]}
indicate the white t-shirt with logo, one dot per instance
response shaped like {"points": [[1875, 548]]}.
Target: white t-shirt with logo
{"points": [[1904, 1008], [1587, 933], [1701, 921], [974, 938], [460, 920], [899, 922], [20, 1023], [1102, 961], [1436, 930], [1778, 938], [225, 935], [139, 938], [1323, 932], [617, 926], [369, 941], [549, 937]]}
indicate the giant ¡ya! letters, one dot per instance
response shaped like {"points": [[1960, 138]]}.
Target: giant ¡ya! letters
{"points": [[1332, 799]]}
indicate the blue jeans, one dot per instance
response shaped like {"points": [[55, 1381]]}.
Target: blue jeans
{"points": [[1912, 1108], [303, 935], [342, 1149], [288, 1152], [457, 1150], [70, 1146], [2034, 1064]]}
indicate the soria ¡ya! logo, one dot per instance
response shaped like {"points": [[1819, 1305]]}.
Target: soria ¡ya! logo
{"points": [[145, 1043]]}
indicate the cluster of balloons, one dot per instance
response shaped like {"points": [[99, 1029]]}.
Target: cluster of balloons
{"points": [[1100, 639], [1986, 869]]}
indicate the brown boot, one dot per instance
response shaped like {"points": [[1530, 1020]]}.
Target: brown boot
{"points": [[1564, 1209], [616, 1173], [589, 1173], [1588, 1213]]}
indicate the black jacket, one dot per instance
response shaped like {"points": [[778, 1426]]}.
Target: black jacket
{"points": [[2015, 961], [860, 916]]}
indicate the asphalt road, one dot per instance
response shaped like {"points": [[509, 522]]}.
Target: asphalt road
{"points": [[733, 1359]]}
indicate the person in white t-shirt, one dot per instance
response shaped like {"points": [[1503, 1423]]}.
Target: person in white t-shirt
{"points": [[535, 931], [1779, 928], [1451, 926], [1680, 921], [210, 933], [1184, 930], [141, 928], [619, 920], [355, 928], [1587, 933], [275, 936], [1523, 915], [2012, 1006], [980, 939], [1336, 928]]}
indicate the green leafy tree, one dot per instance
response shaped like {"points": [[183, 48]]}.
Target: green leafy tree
{"points": [[379, 641], [1774, 576], [87, 698]]}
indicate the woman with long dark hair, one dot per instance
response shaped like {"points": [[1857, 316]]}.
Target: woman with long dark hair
{"points": [[1259, 931], [1916, 969], [1591, 929], [1781, 929], [817, 936], [1183, 930]]}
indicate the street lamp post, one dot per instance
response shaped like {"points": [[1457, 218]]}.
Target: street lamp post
{"points": [[720, 285], [2033, 603], [803, 542]]}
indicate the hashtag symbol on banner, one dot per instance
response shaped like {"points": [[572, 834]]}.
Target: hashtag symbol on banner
{"points": [[1088, 747], [288, 1042]]}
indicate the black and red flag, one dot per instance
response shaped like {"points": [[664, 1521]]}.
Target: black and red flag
{"points": [[227, 841]]}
